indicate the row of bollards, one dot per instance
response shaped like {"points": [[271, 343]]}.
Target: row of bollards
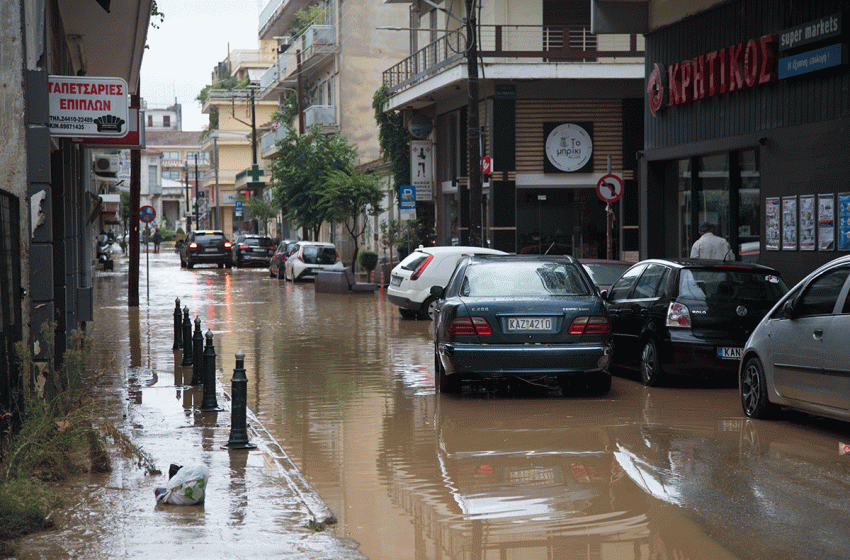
{"points": [[202, 360]]}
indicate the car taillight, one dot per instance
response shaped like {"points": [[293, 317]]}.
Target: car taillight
{"points": [[678, 315], [227, 244], [300, 256], [469, 326], [590, 325], [193, 246], [272, 249], [338, 258], [421, 268]]}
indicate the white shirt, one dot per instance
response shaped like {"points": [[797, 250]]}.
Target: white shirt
{"points": [[709, 246]]}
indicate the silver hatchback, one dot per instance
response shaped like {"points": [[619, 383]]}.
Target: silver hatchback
{"points": [[797, 355]]}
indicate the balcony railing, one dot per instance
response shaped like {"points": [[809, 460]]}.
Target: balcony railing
{"points": [[320, 114], [516, 43], [269, 140]]}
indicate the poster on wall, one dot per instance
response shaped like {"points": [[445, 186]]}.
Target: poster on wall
{"points": [[844, 222], [771, 223], [789, 223], [826, 222], [807, 222]]}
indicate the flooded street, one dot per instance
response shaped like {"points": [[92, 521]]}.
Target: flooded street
{"points": [[347, 387]]}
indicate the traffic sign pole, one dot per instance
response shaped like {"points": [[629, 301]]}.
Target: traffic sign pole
{"points": [[610, 188]]}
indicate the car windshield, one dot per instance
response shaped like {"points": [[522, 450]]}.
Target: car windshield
{"points": [[319, 255], [522, 279], [707, 285], [605, 274]]}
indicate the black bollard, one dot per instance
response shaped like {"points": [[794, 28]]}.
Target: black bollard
{"points": [[197, 354], [239, 407], [209, 403], [187, 338], [178, 327]]}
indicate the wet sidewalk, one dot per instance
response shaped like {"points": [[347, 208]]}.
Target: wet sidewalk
{"points": [[258, 504]]}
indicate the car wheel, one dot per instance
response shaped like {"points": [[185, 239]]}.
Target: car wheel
{"points": [[754, 391], [271, 272], [650, 364], [189, 263], [182, 263], [221, 265], [429, 307], [228, 264], [407, 313], [445, 383], [598, 383]]}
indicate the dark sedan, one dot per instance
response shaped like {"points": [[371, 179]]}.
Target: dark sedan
{"points": [[277, 263], [536, 319], [253, 250], [688, 316]]}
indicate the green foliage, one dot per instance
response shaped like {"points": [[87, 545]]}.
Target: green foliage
{"points": [[347, 196], [261, 209], [299, 172], [23, 507], [304, 18], [368, 260], [155, 13], [393, 138]]}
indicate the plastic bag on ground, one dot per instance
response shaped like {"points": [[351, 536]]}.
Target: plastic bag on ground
{"points": [[186, 488]]}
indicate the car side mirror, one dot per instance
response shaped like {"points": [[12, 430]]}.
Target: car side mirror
{"points": [[604, 294], [438, 292], [789, 309]]}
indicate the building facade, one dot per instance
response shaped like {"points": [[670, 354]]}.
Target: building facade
{"points": [[559, 109], [746, 115]]}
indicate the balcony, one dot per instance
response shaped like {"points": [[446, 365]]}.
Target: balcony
{"points": [[268, 141], [324, 115], [315, 44], [513, 44]]}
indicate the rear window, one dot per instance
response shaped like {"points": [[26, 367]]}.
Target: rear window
{"points": [[413, 260], [319, 255], [512, 279], [257, 241], [208, 236], [705, 285]]}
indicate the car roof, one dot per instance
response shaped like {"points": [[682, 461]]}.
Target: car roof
{"points": [[708, 263], [523, 257], [317, 243], [451, 249], [208, 232], [604, 261]]}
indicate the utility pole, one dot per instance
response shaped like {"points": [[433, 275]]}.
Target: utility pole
{"points": [[197, 216], [473, 126], [300, 92]]}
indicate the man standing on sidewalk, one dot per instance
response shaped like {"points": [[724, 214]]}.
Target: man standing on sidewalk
{"points": [[710, 246]]}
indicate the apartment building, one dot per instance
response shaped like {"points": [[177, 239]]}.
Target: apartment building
{"points": [[558, 109]]}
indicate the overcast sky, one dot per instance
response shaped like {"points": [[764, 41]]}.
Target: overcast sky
{"points": [[187, 46]]}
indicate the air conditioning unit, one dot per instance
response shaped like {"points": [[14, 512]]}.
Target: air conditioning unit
{"points": [[284, 43], [107, 163]]}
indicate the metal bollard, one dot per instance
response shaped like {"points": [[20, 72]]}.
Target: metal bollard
{"points": [[209, 403], [178, 327], [239, 407], [187, 338], [197, 354]]}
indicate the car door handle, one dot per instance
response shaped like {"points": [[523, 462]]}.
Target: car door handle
{"points": [[817, 334]]}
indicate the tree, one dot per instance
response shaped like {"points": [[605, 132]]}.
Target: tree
{"points": [[261, 209], [300, 170], [347, 197], [393, 138]]}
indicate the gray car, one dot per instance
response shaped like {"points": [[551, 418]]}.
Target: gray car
{"points": [[797, 355]]}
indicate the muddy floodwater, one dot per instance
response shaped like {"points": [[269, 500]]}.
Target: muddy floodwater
{"points": [[347, 387]]}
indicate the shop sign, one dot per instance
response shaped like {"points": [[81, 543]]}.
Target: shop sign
{"points": [[734, 68], [421, 163], [811, 61], [568, 147], [87, 106], [811, 32]]}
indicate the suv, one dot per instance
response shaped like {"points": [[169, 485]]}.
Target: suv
{"points": [[278, 260], [206, 247], [308, 258], [412, 278], [688, 316], [253, 250]]}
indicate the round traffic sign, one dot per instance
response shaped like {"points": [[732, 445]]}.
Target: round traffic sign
{"points": [[147, 214], [610, 188]]}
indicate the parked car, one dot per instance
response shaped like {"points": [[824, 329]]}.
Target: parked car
{"points": [[206, 246], [307, 258], [252, 250], [530, 317], [278, 260], [412, 278], [604, 272], [688, 316], [797, 355]]}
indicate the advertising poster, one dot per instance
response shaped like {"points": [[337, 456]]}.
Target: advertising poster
{"points": [[807, 222], [826, 222], [789, 223], [771, 223], [844, 222]]}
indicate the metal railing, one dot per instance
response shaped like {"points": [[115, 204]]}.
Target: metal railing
{"points": [[515, 43]]}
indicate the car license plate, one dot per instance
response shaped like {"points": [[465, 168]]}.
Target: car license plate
{"points": [[395, 280], [530, 324], [729, 353], [211, 250]]}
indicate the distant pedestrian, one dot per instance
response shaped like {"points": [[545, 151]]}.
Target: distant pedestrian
{"points": [[157, 239], [710, 246]]}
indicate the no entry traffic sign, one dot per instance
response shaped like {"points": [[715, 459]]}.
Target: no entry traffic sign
{"points": [[610, 188], [147, 214]]}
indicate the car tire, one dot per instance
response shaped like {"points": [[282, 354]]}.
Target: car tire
{"points": [[407, 313], [189, 264], [753, 386], [445, 383], [271, 272], [650, 364], [429, 306], [221, 265], [598, 383]]}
